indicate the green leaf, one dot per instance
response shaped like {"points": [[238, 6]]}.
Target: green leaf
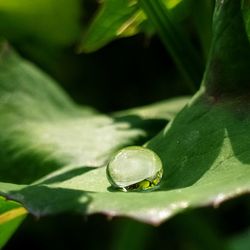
{"points": [[165, 110], [108, 23], [11, 216], [122, 18], [45, 21], [205, 152]]}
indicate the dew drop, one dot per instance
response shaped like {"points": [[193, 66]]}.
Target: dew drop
{"points": [[135, 168]]}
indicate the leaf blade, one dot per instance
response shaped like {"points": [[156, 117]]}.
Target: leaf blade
{"points": [[11, 216], [116, 19]]}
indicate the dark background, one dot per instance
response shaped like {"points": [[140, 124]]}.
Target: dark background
{"points": [[126, 73]]}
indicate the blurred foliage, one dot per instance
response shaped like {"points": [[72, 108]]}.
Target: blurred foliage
{"points": [[11, 216], [40, 21], [116, 19]]}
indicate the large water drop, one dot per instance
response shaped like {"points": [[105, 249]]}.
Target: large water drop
{"points": [[135, 168]]}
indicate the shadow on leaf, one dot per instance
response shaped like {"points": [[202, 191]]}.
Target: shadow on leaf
{"points": [[43, 200], [189, 146], [66, 175]]}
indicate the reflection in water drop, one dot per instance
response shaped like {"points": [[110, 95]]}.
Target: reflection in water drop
{"points": [[135, 168]]}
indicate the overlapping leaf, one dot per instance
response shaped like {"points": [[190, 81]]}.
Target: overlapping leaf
{"points": [[124, 18], [11, 215]]}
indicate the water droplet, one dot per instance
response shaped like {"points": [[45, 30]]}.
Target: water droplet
{"points": [[135, 168]]}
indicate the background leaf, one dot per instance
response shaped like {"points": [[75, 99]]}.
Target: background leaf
{"points": [[108, 23], [45, 21], [11, 216], [116, 19], [161, 110]]}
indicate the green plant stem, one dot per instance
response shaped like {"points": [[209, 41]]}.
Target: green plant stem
{"points": [[179, 47]]}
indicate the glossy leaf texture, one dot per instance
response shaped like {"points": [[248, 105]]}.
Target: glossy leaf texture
{"points": [[204, 149], [40, 21], [11, 216], [123, 18]]}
